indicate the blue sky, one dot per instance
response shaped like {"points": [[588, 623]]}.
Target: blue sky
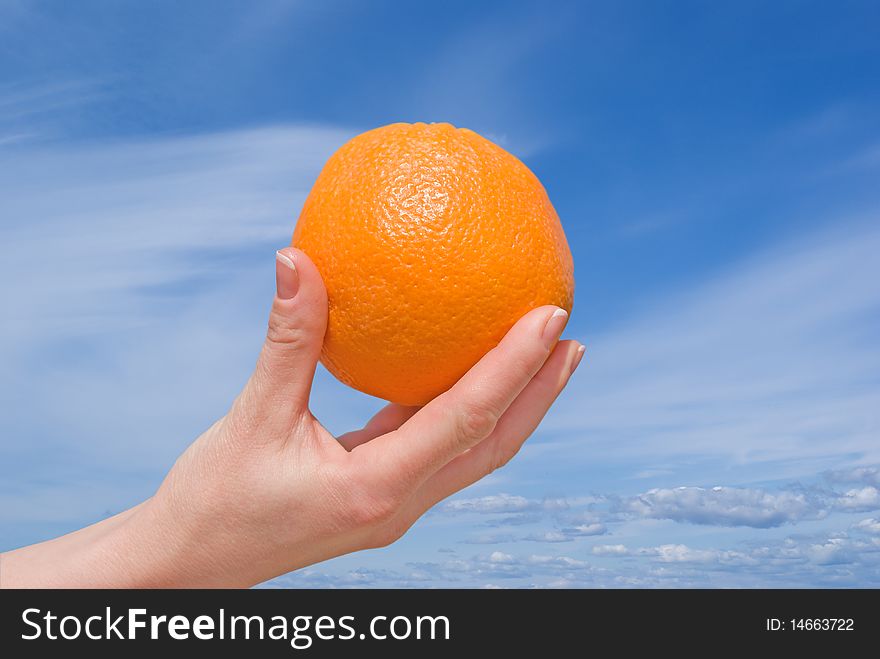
{"points": [[715, 166]]}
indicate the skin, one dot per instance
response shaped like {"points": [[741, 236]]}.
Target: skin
{"points": [[267, 489]]}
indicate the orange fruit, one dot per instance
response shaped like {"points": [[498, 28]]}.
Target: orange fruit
{"points": [[432, 242]]}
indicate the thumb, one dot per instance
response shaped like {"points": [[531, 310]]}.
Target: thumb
{"points": [[297, 322]]}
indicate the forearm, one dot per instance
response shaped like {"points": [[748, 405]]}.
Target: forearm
{"points": [[143, 547], [152, 545], [92, 557], [155, 544]]}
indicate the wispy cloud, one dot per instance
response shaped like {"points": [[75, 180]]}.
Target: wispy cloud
{"points": [[491, 95], [19, 101], [28, 110], [135, 285], [123, 220], [865, 475], [773, 361]]}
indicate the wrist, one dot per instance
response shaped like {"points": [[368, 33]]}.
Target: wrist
{"points": [[178, 546]]}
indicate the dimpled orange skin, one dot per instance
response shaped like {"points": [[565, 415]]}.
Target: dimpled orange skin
{"points": [[432, 242]]}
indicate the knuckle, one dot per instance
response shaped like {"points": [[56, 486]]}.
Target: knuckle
{"points": [[360, 502], [374, 511], [477, 421], [281, 333]]}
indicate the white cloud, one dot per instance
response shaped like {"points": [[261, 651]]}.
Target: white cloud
{"points": [[859, 500], [564, 562], [505, 503], [610, 550], [829, 550], [500, 557], [682, 554], [869, 525], [548, 536], [495, 503], [356, 578], [595, 528], [489, 538], [724, 506], [833, 551]]}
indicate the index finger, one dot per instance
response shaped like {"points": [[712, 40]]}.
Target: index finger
{"points": [[467, 413]]}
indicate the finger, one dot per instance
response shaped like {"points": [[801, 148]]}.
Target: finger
{"points": [[467, 413], [286, 366], [389, 418], [517, 424]]}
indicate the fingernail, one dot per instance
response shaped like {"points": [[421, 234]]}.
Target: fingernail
{"points": [[286, 277], [553, 328], [578, 356]]}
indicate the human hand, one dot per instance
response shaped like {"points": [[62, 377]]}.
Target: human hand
{"points": [[267, 489]]}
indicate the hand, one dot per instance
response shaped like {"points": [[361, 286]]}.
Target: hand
{"points": [[267, 489]]}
